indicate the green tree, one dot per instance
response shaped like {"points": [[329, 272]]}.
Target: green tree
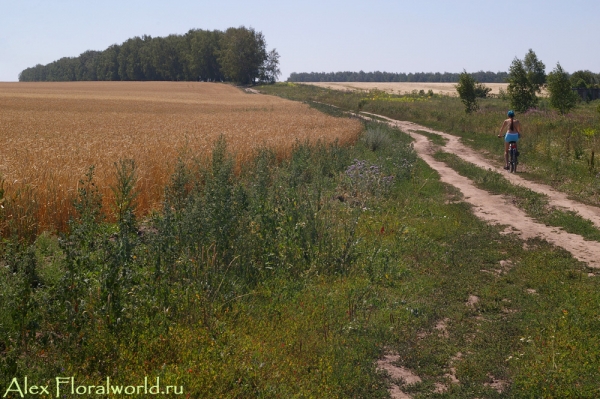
{"points": [[562, 97], [87, 66], [130, 66], [202, 59], [108, 64], [238, 55], [583, 79], [166, 58], [269, 71], [466, 91], [481, 90], [521, 91], [536, 70], [243, 52], [146, 56]]}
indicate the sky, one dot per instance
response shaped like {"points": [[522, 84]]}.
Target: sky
{"points": [[320, 35]]}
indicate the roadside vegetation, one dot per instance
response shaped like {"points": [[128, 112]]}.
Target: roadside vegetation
{"points": [[556, 149]]}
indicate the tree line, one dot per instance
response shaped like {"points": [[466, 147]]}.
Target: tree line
{"points": [[377, 76], [526, 79], [237, 55]]}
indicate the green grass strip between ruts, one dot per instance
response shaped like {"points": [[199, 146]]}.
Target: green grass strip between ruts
{"points": [[534, 204]]}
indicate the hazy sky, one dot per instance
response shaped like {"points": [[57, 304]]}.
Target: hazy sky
{"points": [[320, 35]]}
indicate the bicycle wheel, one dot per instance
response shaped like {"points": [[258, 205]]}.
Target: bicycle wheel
{"points": [[513, 160]]}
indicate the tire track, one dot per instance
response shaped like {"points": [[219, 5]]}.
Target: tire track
{"points": [[493, 208]]}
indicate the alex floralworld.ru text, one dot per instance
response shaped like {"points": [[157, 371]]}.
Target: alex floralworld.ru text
{"points": [[67, 385]]}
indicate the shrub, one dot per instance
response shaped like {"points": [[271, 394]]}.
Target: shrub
{"points": [[466, 89], [481, 90], [375, 138], [502, 95]]}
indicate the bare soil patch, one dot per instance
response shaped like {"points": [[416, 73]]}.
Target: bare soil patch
{"points": [[397, 373], [496, 384], [472, 300], [442, 327]]}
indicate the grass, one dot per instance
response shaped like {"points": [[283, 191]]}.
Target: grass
{"points": [[434, 138], [291, 279], [534, 204], [376, 138]]}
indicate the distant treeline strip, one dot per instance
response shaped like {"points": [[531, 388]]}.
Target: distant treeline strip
{"points": [[238, 55], [481, 76]]}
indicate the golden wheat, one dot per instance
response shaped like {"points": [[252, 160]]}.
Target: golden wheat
{"points": [[51, 133]]}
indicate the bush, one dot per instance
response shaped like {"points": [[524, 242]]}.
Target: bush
{"points": [[466, 89], [375, 138], [481, 90]]}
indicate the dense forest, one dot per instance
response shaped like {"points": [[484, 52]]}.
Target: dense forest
{"points": [[237, 54], [481, 76]]}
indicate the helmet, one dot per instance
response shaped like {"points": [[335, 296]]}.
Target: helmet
{"points": [[511, 114]]}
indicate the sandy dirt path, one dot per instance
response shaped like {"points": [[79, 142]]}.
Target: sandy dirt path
{"points": [[494, 209]]}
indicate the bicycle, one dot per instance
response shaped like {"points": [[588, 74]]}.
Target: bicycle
{"points": [[513, 154]]}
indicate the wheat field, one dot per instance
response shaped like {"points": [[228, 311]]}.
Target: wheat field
{"points": [[51, 133]]}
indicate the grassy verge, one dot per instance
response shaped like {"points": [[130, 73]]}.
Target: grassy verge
{"points": [[534, 204], [292, 279]]}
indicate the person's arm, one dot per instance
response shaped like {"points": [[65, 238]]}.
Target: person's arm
{"points": [[502, 128]]}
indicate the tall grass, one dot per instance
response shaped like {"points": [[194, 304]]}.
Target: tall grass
{"points": [[115, 285]]}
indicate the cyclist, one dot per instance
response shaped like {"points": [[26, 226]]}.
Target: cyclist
{"points": [[513, 133]]}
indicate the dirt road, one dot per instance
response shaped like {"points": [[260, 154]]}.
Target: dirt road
{"points": [[494, 208]]}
